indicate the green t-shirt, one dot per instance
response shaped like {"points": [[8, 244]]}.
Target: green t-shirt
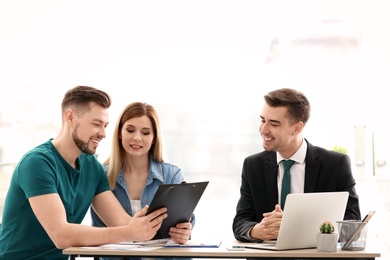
{"points": [[44, 171]]}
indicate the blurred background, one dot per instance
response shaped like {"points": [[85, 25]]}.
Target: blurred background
{"points": [[205, 66]]}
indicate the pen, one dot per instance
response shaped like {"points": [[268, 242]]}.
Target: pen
{"points": [[368, 216], [364, 219], [357, 231]]}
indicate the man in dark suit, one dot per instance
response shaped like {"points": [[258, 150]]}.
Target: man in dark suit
{"points": [[258, 213]]}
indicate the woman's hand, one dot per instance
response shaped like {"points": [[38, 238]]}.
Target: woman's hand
{"points": [[181, 233]]}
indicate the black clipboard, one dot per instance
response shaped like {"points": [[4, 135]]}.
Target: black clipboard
{"points": [[180, 200]]}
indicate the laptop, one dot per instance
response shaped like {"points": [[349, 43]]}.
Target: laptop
{"points": [[302, 217]]}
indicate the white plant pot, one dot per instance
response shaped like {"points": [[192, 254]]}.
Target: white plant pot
{"points": [[327, 242]]}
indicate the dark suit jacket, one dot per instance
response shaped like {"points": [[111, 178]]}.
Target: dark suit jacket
{"points": [[325, 171]]}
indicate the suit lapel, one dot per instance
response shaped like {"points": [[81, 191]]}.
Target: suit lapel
{"points": [[312, 168], [271, 173]]}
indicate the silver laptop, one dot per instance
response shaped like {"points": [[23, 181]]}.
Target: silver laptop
{"points": [[302, 217]]}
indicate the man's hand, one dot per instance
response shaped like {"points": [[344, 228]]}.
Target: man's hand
{"points": [[144, 227], [181, 233], [268, 228]]}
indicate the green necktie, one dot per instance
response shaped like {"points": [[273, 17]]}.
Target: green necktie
{"points": [[286, 183]]}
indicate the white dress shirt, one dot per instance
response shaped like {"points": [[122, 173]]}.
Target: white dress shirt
{"points": [[297, 170]]}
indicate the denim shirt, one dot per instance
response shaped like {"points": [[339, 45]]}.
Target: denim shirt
{"points": [[159, 173]]}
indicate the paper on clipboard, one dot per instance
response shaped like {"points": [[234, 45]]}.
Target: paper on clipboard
{"points": [[180, 200]]}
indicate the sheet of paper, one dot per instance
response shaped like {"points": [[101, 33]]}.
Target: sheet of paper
{"points": [[191, 243], [123, 247], [120, 246], [149, 242]]}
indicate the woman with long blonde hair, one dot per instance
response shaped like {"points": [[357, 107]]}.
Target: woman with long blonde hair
{"points": [[135, 167]]}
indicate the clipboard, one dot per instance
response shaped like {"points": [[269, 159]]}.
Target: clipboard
{"points": [[180, 200]]}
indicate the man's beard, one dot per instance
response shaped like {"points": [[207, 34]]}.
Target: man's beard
{"points": [[83, 146]]}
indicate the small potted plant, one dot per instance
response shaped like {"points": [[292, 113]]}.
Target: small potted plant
{"points": [[327, 239]]}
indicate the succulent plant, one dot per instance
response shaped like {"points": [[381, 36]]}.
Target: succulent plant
{"points": [[327, 227]]}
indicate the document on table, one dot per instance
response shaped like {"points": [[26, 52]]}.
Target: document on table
{"points": [[144, 245], [114, 247], [149, 242], [120, 246], [190, 243]]}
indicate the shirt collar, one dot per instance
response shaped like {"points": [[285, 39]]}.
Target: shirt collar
{"points": [[155, 172], [298, 156]]}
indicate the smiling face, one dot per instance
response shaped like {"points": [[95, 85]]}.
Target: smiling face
{"points": [[278, 133], [90, 128], [137, 136]]}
